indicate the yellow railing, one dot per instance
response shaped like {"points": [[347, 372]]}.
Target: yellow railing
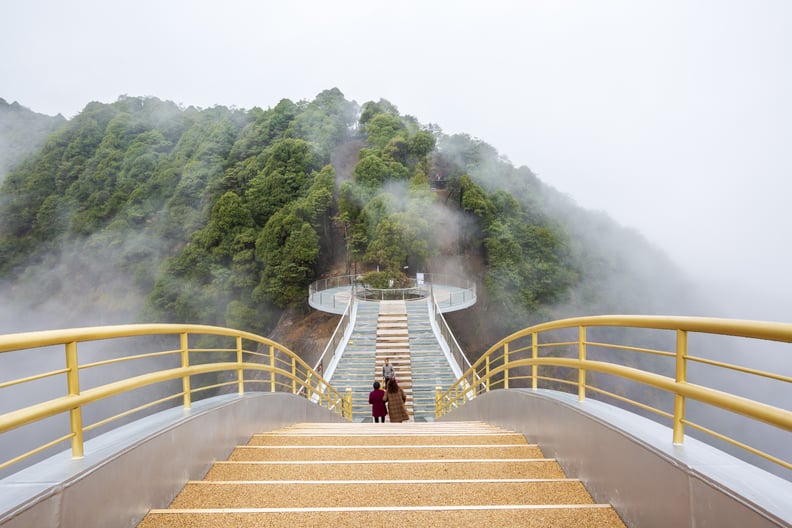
{"points": [[564, 355], [206, 360]]}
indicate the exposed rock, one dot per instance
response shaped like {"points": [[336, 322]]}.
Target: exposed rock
{"points": [[305, 334]]}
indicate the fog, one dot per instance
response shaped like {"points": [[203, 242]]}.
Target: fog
{"points": [[672, 117]]}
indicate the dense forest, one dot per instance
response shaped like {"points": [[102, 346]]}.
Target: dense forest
{"points": [[142, 210]]}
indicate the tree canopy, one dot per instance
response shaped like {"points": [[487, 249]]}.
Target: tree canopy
{"points": [[225, 216]]}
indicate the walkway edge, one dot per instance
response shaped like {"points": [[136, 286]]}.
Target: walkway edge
{"points": [[690, 485]]}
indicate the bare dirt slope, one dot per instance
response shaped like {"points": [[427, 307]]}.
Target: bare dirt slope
{"points": [[305, 334]]}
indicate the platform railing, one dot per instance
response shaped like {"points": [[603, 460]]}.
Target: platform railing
{"points": [[459, 292], [448, 336], [186, 362], [328, 355], [581, 355], [464, 294], [320, 292]]}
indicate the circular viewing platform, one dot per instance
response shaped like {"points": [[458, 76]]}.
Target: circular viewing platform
{"points": [[450, 293]]}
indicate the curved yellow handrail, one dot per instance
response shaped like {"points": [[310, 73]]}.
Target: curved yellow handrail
{"points": [[538, 355], [286, 372]]}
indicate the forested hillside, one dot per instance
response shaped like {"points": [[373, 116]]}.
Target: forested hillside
{"points": [[22, 131], [142, 210]]}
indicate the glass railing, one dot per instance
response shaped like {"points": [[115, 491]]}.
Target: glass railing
{"points": [[450, 291]]}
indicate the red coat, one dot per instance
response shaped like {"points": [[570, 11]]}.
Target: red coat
{"points": [[377, 405]]}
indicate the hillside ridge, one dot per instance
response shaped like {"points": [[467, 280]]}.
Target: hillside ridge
{"points": [[142, 210]]}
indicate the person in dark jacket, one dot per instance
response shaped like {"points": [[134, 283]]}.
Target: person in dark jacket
{"points": [[378, 410], [395, 398], [387, 372]]}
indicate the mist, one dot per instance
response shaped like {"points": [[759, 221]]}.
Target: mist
{"points": [[82, 283], [673, 119]]}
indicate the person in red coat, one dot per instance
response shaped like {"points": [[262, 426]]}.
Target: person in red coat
{"points": [[378, 410]]}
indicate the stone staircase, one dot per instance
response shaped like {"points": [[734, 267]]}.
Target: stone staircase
{"points": [[357, 364], [429, 365], [400, 331], [393, 343], [438, 474]]}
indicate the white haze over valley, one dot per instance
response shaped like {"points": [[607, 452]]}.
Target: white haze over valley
{"points": [[673, 117]]}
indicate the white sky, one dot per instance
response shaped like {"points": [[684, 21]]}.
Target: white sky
{"points": [[673, 116]]}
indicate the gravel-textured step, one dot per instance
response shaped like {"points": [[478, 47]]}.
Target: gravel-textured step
{"points": [[388, 493], [393, 470], [435, 474], [588, 516], [353, 452], [385, 437]]}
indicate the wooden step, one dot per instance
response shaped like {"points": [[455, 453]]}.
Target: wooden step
{"points": [[391, 331]]}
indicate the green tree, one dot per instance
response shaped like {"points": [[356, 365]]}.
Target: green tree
{"points": [[286, 175], [287, 249], [388, 250], [422, 143], [371, 109], [324, 122], [371, 172], [382, 128]]}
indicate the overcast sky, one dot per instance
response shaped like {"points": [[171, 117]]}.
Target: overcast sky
{"points": [[674, 117]]}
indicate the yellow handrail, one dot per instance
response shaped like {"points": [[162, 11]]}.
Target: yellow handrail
{"points": [[536, 357], [278, 361]]}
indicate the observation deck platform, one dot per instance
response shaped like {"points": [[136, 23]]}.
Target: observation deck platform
{"points": [[451, 293]]}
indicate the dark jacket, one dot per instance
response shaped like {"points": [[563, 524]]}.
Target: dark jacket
{"points": [[377, 405]]}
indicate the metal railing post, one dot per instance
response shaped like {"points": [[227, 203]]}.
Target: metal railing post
{"points": [[294, 375], [272, 368], [240, 370], [535, 356], [681, 377], [437, 402], [487, 372], [185, 362], [75, 414], [582, 357], [506, 364], [348, 403]]}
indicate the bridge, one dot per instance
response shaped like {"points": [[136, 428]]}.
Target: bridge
{"points": [[567, 423]]}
